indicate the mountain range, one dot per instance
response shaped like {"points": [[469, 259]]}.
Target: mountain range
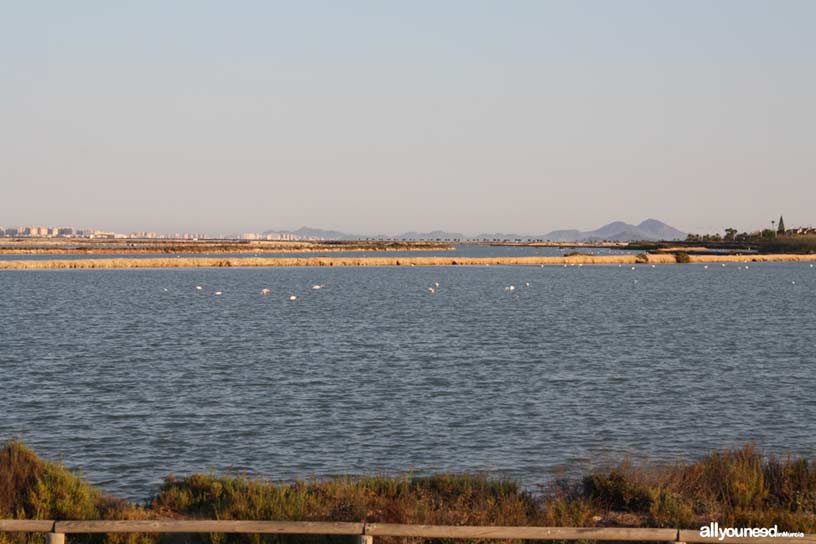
{"points": [[617, 231]]}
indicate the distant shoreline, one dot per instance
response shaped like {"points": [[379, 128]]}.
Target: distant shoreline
{"points": [[222, 262], [173, 247]]}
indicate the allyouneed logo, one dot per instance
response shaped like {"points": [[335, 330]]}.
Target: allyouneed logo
{"points": [[713, 530]]}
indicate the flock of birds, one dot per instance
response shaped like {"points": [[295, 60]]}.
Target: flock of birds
{"points": [[435, 287], [265, 291]]}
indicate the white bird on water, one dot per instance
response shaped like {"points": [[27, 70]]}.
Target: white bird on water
{"points": [[218, 293], [199, 288], [510, 288], [316, 287], [706, 267], [292, 297], [265, 291], [431, 290]]}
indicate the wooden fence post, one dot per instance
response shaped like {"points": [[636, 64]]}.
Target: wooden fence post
{"points": [[54, 538]]}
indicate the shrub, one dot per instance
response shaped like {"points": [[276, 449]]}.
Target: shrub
{"points": [[682, 257], [734, 487], [31, 488], [616, 491]]}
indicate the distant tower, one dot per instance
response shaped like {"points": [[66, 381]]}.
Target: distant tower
{"points": [[781, 228]]}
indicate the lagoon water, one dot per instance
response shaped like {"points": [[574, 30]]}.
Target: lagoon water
{"points": [[131, 375]]}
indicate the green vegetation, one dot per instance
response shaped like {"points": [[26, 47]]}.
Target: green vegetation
{"points": [[791, 244], [778, 240], [31, 488], [740, 487]]}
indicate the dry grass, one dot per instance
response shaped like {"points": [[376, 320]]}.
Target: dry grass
{"points": [[215, 262], [736, 488], [328, 261], [753, 258], [31, 488]]}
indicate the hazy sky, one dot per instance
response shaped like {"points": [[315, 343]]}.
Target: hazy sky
{"points": [[384, 116]]}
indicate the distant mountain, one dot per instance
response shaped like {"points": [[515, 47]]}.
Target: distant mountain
{"points": [[618, 231], [307, 233], [661, 230], [433, 235], [564, 236], [501, 236]]}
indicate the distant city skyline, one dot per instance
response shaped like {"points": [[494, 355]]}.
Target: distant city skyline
{"points": [[371, 118]]}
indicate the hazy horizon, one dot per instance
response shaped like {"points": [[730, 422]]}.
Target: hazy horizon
{"points": [[211, 232], [521, 117]]}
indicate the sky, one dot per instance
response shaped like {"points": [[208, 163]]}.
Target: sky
{"points": [[383, 117]]}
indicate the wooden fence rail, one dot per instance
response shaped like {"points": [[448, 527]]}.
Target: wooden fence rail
{"points": [[56, 531]]}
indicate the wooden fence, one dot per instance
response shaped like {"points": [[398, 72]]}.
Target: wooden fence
{"points": [[365, 532]]}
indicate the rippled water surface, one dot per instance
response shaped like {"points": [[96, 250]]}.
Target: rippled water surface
{"points": [[133, 374]]}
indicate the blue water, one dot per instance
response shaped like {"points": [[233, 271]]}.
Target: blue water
{"points": [[133, 374]]}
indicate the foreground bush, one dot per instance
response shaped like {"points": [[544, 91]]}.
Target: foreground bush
{"points": [[740, 487], [31, 488]]}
